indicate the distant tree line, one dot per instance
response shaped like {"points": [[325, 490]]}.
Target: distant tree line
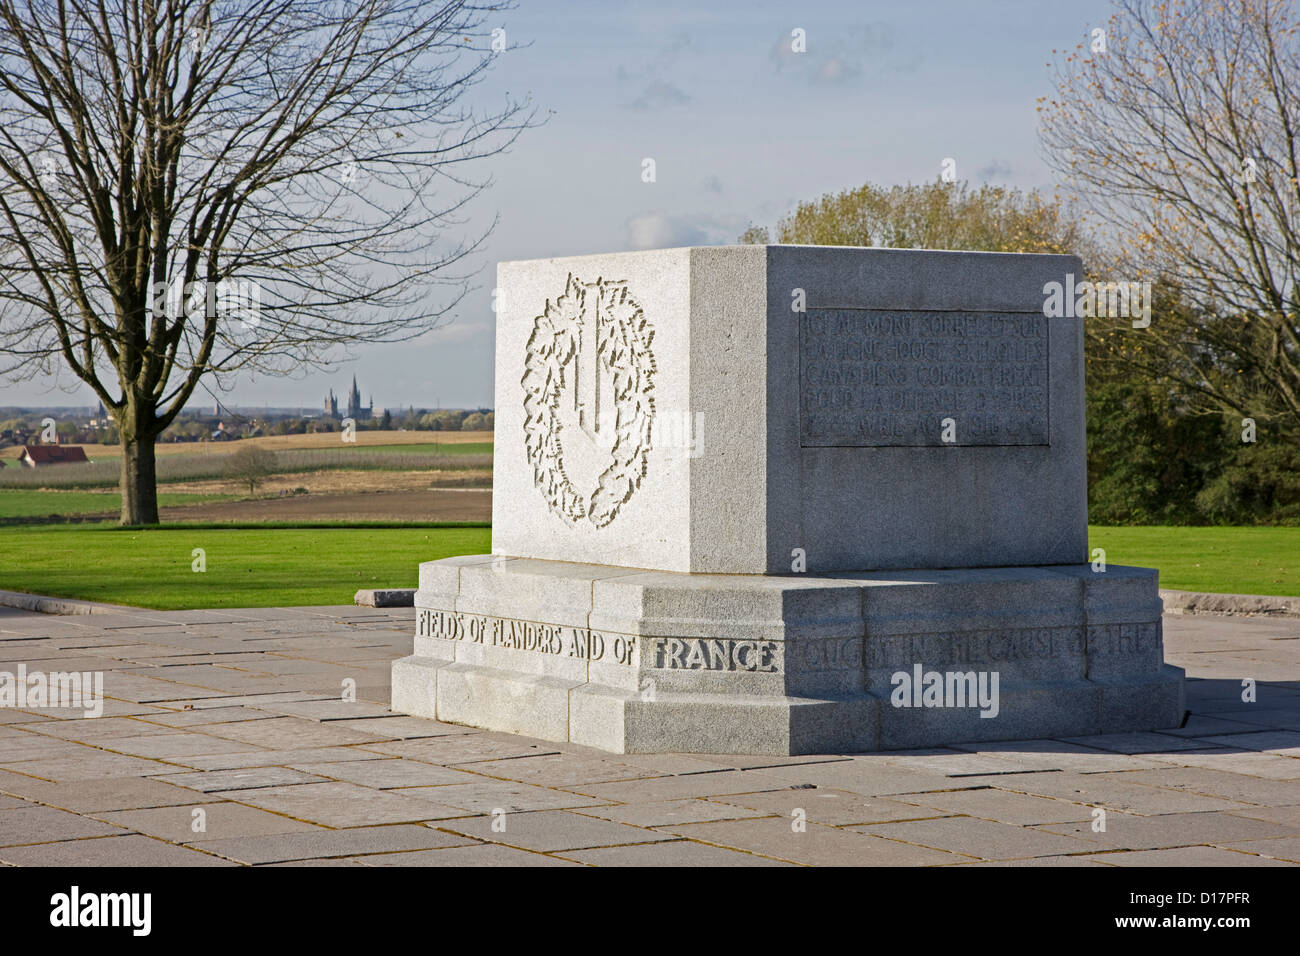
{"points": [[197, 428], [412, 420]]}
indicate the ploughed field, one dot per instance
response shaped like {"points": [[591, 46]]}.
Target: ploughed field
{"points": [[436, 504]]}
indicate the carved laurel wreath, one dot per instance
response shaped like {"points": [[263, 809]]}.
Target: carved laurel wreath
{"points": [[625, 337]]}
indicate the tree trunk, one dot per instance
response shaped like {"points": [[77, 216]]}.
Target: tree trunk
{"points": [[139, 480]]}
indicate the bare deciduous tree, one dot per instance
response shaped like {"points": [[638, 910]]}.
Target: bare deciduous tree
{"points": [[190, 188], [1177, 126], [251, 464]]}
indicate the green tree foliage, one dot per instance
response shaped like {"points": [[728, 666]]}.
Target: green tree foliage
{"points": [[930, 216]]}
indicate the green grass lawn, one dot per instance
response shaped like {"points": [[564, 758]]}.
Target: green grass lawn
{"points": [[1220, 560], [288, 565], [245, 567], [24, 503]]}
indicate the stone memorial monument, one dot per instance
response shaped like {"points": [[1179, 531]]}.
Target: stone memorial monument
{"points": [[788, 499]]}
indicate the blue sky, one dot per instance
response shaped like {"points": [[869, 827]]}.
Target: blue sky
{"points": [[740, 129]]}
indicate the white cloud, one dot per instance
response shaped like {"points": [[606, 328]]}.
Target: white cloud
{"points": [[458, 331], [657, 231]]}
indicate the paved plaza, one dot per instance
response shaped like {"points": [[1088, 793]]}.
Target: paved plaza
{"points": [[226, 740]]}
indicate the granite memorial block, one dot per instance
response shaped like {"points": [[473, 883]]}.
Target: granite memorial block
{"points": [[787, 499]]}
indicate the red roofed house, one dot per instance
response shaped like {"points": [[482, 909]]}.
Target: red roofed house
{"points": [[34, 455]]}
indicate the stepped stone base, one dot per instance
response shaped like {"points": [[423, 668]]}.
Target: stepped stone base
{"points": [[635, 661]]}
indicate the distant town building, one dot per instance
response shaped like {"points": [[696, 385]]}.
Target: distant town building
{"points": [[34, 456], [355, 409]]}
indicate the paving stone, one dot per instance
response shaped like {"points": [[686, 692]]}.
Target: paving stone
{"points": [[1058, 755], [273, 758], [979, 838], [150, 690], [676, 853], [954, 763], [1284, 848], [327, 710], [165, 657], [249, 700], [339, 861], [70, 661], [667, 764], [1114, 792], [871, 779], [207, 715], [1140, 743], [1126, 832], [286, 732], [1217, 783], [1199, 725], [387, 774], [32, 746], [671, 811], [472, 855], [1286, 816], [97, 728], [1001, 806], [1267, 717], [816, 846], [23, 733], [90, 765], [337, 804], [36, 824], [1253, 764], [220, 821], [1285, 742], [485, 796], [1192, 856], [829, 807], [350, 842], [657, 789], [561, 770], [1034, 861], [464, 748], [117, 851], [211, 781], [740, 761], [551, 831], [178, 744], [1242, 794], [401, 728], [112, 708], [112, 793]]}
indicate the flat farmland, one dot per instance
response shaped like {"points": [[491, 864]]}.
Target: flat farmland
{"points": [[427, 505], [383, 476], [364, 439]]}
